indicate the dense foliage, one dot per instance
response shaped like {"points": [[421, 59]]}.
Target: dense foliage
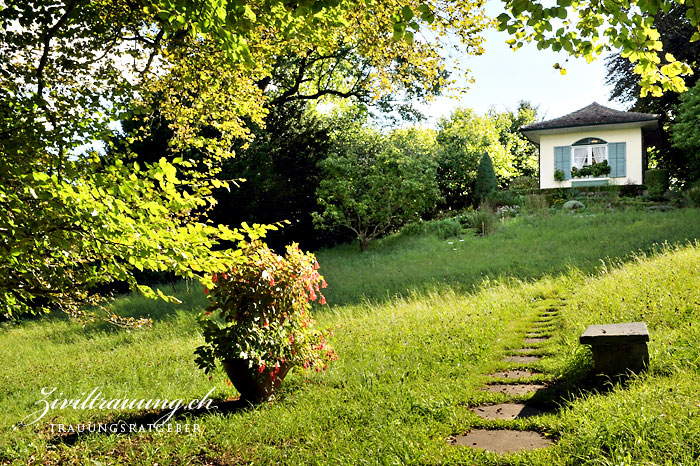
{"points": [[588, 28], [686, 132], [281, 170], [465, 136], [657, 181], [67, 69], [596, 169], [372, 184], [675, 32]]}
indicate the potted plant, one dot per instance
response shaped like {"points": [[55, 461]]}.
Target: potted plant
{"points": [[258, 322], [596, 170], [559, 175]]}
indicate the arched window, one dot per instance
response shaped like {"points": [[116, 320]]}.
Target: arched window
{"points": [[588, 151]]}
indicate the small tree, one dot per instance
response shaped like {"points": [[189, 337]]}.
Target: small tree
{"points": [[372, 183], [486, 181]]}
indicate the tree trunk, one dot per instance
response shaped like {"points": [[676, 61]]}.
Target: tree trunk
{"points": [[364, 241]]}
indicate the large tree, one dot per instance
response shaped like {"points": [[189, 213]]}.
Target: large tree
{"points": [[371, 184], [71, 220], [281, 172]]}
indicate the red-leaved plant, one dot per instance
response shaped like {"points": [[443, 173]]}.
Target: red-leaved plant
{"points": [[259, 312]]}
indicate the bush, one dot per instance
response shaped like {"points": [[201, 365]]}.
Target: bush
{"points": [[631, 190], [524, 185], [503, 198], [259, 311], [417, 228], [692, 196], [443, 228], [535, 203], [483, 221], [564, 194], [657, 182]]}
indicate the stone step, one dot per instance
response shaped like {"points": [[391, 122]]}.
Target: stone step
{"points": [[536, 340], [524, 350], [507, 411], [514, 388], [502, 441], [512, 374], [521, 359]]}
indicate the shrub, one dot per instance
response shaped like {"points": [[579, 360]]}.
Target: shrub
{"points": [[503, 198], [524, 185], [445, 228], [483, 221], [416, 228], [631, 190], [573, 205], [657, 182], [564, 194], [486, 182], [692, 196], [535, 203], [259, 312]]}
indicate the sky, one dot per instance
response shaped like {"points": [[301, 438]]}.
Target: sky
{"points": [[504, 77]]}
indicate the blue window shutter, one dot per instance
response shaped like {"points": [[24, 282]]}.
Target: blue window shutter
{"points": [[562, 160], [617, 158]]}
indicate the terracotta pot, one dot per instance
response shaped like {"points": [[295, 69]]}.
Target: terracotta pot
{"points": [[254, 387]]}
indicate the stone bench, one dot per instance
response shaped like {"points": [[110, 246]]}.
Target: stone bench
{"points": [[618, 348]]}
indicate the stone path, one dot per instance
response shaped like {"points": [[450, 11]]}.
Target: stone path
{"points": [[513, 388], [521, 359], [504, 440], [513, 374], [525, 350], [506, 411]]}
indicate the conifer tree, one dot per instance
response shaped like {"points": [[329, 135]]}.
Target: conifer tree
{"points": [[486, 181]]}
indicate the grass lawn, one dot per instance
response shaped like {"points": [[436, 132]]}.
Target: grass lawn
{"points": [[416, 329]]}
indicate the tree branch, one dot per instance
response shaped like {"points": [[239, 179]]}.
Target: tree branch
{"points": [[47, 45], [151, 56]]}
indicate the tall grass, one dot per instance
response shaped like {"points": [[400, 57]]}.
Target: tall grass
{"points": [[528, 247]]}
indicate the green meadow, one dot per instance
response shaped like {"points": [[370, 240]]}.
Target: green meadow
{"points": [[419, 321]]}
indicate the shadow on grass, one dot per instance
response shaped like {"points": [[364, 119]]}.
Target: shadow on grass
{"points": [[578, 380], [148, 421], [66, 328]]}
